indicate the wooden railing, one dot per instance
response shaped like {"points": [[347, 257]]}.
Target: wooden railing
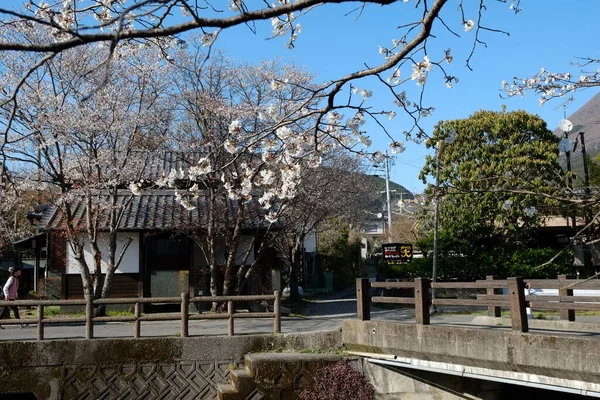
{"points": [[516, 300], [184, 316]]}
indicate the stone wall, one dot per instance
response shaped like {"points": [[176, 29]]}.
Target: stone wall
{"points": [[148, 368]]}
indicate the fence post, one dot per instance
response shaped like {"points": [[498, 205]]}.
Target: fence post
{"points": [[493, 311], [185, 302], [277, 311], [422, 301], [565, 314], [89, 316], [136, 322], [40, 322], [230, 312], [363, 299], [518, 314]]}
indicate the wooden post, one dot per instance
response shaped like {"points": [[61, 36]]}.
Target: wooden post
{"points": [[230, 312], [363, 299], [493, 311], [422, 301], [565, 314], [89, 316], [277, 311], [516, 294], [137, 323], [40, 322], [185, 303]]}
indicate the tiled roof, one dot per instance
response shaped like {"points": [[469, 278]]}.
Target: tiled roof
{"points": [[164, 162], [153, 210]]}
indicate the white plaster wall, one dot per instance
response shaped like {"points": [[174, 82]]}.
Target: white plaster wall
{"points": [[129, 264], [245, 243]]}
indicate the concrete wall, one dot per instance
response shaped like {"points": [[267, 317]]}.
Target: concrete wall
{"points": [[396, 383], [145, 368], [550, 356]]}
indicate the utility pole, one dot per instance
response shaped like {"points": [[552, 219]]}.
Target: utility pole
{"points": [[436, 220], [387, 194]]}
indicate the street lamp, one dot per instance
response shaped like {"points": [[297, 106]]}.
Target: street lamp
{"points": [[566, 146]]}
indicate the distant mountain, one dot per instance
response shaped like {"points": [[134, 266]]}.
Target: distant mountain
{"points": [[585, 119], [378, 197]]}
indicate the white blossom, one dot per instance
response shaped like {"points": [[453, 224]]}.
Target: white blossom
{"points": [[265, 199], [203, 167], [230, 146], [397, 147], [208, 39], [277, 85], [469, 25], [530, 211], [283, 132], [235, 126], [271, 217], [136, 188], [365, 140], [267, 176]]}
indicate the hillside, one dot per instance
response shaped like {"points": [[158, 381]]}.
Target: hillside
{"points": [[585, 119], [377, 201]]}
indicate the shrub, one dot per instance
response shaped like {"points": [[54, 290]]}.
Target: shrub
{"points": [[338, 382]]}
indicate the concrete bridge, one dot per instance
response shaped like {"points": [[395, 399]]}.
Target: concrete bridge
{"points": [[424, 359], [549, 360], [402, 360]]}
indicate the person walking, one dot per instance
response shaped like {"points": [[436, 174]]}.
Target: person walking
{"points": [[10, 290]]}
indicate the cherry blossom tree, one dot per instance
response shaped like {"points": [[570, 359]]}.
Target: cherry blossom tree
{"points": [[82, 139], [338, 189], [551, 85], [14, 205], [406, 60], [269, 142], [236, 158]]}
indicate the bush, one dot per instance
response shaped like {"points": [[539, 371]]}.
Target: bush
{"points": [[522, 262], [526, 263], [338, 382]]}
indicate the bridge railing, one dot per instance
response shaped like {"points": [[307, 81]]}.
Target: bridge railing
{"points": [[184, 316], [515, 294]]}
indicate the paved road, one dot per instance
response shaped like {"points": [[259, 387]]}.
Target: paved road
{"points": [[325, 313], [321, 314]]}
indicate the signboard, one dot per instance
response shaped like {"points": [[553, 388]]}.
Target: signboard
{"points": [[397, 252]]}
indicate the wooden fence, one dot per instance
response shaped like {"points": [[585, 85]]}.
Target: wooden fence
{"points": [[184, 316], [516, 300]]}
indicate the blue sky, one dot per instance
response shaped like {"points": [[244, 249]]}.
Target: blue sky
{"points": [[547, 33], [335, 41]]}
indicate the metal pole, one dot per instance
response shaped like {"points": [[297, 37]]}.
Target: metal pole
{"points": [[436, 222], [570, 183], [387, 194], [587, 256]]}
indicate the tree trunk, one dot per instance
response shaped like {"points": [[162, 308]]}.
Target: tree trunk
{"points": [[294, 266]]}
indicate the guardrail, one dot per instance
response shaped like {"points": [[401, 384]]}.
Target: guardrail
{"points": [[184, 316], [516, 299]]}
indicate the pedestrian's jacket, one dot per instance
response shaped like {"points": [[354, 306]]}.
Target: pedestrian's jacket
{"points": [[10, 288]]}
